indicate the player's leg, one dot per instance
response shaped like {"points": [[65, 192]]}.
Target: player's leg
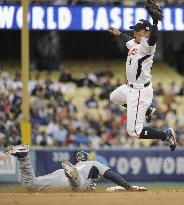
{"points": [[27, 172], [150, 133], [55, 180], [167, 136], [151, 111], [136, 109], [118, 96], [51, 181], [138, 102]]}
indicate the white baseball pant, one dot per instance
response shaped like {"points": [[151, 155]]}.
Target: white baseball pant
{"points": [[138, 101]]}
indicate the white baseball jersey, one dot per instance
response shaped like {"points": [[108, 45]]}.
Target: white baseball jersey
{"points": [[138, 98], [139, 61]]}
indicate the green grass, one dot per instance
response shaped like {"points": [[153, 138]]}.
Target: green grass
{"points": [[155, 188], [98, 190]]}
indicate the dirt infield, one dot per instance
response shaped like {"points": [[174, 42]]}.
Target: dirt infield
{"points": [[125, 198]]}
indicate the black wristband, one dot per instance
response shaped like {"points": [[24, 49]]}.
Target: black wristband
{"points": [[155, 22]]}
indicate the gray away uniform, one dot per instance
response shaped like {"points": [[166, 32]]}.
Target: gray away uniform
{"points": [[58, 180]]}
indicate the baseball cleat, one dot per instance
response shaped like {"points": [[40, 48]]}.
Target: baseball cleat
{"points": [[151, 111], [170, 139], [70, 170], [19, 151]]}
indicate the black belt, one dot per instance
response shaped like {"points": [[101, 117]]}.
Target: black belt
{"points": [[145, 85]]}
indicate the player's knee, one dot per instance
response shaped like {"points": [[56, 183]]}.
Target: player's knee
{"points": [[132, 132], [30, 185], [113, 97]]}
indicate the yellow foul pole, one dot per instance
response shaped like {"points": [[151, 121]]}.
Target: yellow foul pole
{"points": [[25, 124]]}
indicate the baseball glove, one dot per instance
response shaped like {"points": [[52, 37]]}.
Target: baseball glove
{"points": [[154, 9]]}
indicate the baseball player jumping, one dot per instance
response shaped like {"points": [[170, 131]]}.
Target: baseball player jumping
{"points": [[137, 93], [78, 177]]}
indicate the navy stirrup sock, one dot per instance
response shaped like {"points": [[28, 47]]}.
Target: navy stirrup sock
{"points": [[151, 133]]}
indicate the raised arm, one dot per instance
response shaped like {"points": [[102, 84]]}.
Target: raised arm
{"points": [[153, 34], [154, 10], [125, 38]]}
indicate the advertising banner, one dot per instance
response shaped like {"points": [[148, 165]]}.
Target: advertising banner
{"points": [[84, 18], [133, 165]]}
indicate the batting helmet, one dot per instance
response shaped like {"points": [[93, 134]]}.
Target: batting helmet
{"points": [[82, 156]]}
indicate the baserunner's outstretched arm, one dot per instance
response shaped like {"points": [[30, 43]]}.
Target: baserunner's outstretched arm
{"points": [[117, 179]]}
